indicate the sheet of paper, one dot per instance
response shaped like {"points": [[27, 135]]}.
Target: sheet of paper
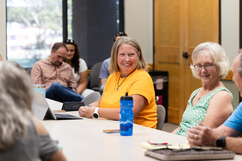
{"points": [[54, 105]]}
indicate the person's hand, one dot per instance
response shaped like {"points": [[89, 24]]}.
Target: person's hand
{"points": [[86, 111], [202, 135]]}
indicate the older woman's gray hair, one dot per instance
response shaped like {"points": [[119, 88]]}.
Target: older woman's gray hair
{"points": [[113, 66], [217, 53], [15, 103]]}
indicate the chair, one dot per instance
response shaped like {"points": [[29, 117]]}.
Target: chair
{"points": [[93, 97], [161, 115], [94, 80]]}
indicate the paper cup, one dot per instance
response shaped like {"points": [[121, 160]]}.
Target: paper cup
{"points": [[39, 88]]}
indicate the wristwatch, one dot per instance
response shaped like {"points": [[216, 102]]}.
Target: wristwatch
{"points": [[221, 142], [95, 113]]}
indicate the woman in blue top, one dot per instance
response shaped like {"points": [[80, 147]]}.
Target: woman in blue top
{"points": [[212, 103]]}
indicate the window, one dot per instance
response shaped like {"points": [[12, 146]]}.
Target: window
{"points": [[33, 27]]}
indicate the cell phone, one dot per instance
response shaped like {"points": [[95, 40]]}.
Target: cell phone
{"points": [[111, 131]]}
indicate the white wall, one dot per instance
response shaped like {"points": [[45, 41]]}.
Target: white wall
{"points": [[230, 37], [3, 29], [230, 27], [139, 25]]}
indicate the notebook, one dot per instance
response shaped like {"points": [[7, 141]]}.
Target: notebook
{"points": [[42, 109], [189, 154]]}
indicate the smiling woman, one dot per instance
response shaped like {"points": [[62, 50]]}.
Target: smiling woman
{"points": [[210, 65], [128, 75]]}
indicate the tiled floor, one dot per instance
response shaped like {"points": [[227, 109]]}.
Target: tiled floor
{"points": [[169, 127]]}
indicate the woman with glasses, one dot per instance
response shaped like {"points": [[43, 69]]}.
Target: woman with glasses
{"points": [[79, 67], [212, 103]]}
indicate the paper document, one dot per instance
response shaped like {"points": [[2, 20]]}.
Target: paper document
{"points": [[54, 105]]}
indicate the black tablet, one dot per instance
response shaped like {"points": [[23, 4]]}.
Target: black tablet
{"points": [[72, 106]]}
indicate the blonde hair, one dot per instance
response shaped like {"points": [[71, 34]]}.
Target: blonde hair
{"points": [[15, 103], [113, 66], [217, 53]]}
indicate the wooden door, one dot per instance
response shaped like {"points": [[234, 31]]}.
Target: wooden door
{"points": [[180, 25]]}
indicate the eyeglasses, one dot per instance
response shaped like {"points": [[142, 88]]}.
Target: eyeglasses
{"points": [[120, 34], [69, 41], [207, 66]]}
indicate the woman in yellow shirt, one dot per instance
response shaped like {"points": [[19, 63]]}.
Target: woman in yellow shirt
{"points": [[128, 74]]}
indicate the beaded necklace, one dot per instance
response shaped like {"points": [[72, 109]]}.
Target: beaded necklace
{"points": [[118, 85]]}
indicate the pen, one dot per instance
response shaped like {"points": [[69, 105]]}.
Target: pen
{"points": [[157, 143]]}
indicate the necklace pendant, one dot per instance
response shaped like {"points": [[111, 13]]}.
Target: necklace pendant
{"points": [[117, 88]]}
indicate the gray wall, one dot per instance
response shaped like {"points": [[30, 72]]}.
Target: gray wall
{"points": [[94, 25]]}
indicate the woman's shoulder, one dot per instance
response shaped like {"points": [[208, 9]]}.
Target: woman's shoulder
{"points": [[142, 73], [82, 65], [224, 89], [223, 94], [82, 61], [141, 76]]}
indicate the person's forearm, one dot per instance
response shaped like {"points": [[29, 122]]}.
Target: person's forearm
{"points": [[109, 113], [234, 144], [81, 88]]}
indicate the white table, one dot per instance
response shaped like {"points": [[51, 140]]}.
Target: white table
{"points": [[85, 140]]}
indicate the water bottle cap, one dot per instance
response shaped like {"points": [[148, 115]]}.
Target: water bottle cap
{"points": [[126, 97]]}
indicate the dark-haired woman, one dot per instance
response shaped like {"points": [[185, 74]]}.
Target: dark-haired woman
{"points": [[79, 67]]}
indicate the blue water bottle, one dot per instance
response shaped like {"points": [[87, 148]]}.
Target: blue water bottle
{"points": [[126, 115]]}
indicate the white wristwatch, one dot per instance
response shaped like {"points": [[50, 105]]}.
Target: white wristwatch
{"points": [[95, 113]]}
